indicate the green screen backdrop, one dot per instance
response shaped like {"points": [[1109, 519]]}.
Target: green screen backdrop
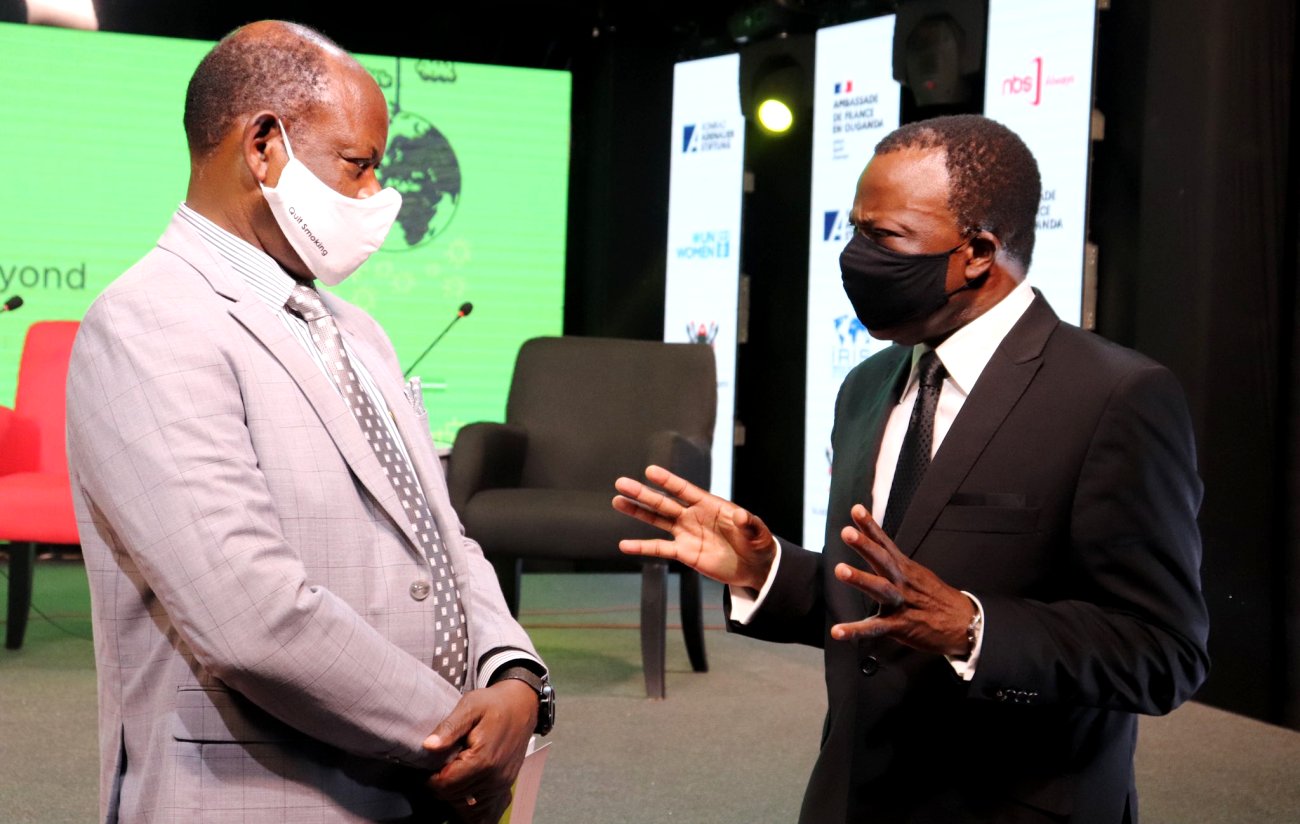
{"points": [[92, 130]]}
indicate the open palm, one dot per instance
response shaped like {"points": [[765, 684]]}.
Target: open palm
{"points": [[709, 534]]}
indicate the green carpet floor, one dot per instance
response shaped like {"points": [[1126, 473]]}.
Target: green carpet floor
{"points": [[732, 745]]}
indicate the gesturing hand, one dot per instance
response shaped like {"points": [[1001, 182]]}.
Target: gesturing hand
{"points": [[709, 534], [485, 736], [916, 607]]}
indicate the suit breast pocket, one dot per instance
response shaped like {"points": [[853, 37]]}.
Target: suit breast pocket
{"points": [[996, 512]]}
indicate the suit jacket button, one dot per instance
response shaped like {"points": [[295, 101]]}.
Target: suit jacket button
{"points": [[870, 666], [419, 590]]}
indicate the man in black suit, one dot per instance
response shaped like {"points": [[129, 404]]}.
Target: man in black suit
{"points": [[1036, 582]]}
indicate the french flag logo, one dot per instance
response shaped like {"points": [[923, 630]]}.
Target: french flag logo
{"points": [[844, 87]]}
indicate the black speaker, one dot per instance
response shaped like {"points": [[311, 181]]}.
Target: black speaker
{"points": [[939, 48]]}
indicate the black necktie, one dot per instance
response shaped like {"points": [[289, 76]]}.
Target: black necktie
{"points": [[914, 457]]}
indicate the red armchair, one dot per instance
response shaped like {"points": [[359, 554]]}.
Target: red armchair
{"points": [[35, 496]]}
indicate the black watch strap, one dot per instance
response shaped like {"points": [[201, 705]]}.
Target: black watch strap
{"points": [[541, 685]]}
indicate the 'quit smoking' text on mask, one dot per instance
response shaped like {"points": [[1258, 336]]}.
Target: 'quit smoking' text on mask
{"points": [[333, 233]]}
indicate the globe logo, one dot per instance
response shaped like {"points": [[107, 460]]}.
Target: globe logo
{"points": [[420, 164]]}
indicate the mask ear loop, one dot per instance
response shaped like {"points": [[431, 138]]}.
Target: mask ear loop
{"points": [[954, 250], [977, 281], [284, 135]]}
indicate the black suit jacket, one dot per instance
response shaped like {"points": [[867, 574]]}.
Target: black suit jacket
{"points": [[1064, 497]]}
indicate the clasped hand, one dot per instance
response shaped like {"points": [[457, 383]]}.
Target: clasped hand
{"points": [[721, 540], [484, 737]]}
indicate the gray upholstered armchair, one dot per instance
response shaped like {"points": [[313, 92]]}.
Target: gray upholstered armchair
{"points": [[581, 412]]}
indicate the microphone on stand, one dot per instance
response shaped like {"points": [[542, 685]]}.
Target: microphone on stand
{"points": [[11, 304], [465, 309]]}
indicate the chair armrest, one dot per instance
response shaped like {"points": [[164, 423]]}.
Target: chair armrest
{"points": [[19, 440], [485, 456], [6, 420], [690, 458]]}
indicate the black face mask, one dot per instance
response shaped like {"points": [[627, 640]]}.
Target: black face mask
{"points": [[888, 288]]}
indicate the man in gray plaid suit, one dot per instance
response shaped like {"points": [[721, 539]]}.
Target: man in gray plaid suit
{"points": [[289, 623]]}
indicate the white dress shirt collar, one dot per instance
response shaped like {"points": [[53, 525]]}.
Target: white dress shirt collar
{"points": [[258, 269], [967, 351]]}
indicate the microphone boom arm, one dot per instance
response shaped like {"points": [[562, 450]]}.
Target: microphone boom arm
{"points": [[465, 309]]}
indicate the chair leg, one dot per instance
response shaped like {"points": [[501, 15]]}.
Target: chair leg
{"points": [[510, 572], [22, 562], [654, 625], [693, 619]]}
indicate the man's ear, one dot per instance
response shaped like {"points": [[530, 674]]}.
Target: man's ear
{"points": [[983, 251], [263, 148]]}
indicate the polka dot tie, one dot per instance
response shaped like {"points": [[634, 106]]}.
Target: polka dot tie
{"points": [[914, 457], [450, 648]]}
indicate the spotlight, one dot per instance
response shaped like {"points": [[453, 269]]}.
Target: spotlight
{"points": [[776, 82], [775, 116]]}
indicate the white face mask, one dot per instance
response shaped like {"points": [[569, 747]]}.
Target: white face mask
{"points": [[331, 232]]}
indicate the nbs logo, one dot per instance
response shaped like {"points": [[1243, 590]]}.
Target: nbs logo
{"points": [[836, 226], [712, 136], [1029, 86]]}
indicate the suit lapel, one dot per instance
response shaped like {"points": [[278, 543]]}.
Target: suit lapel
{"points": [[413, 429], [870, 429], [414, 432], [324, 399], [1000, 386], [868, 400], [246, 308], [875, 414]]}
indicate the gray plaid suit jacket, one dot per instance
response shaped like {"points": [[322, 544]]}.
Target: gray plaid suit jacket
{"points": [[261, 652]]}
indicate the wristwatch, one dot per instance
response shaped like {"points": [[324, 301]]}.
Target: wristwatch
{"points": [[540, 684]]}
